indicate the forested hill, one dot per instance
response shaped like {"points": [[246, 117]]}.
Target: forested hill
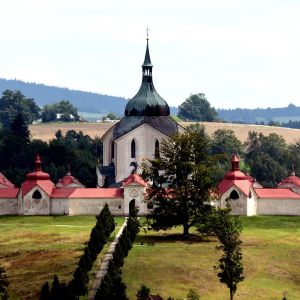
{"points": [[84, 101], [258, 115]]}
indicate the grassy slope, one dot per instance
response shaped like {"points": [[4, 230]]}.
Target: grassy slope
{"points": [[33, 249], [271, 249]]}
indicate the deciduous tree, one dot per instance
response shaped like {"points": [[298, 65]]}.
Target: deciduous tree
{"points": [[181, 180]]}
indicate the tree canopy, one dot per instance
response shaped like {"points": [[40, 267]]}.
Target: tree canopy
{"points": [[181, 179], [13, 103], [62, 111], [197, 108]]}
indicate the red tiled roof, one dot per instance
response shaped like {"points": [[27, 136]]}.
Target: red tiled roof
{"points": [[243, 185], [88, 193], [4, 181], [67, 180], [9, 193], [134, 178], [46, 185], [276, 193], [293, 179]]}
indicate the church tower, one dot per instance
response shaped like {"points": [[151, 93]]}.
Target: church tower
{"points": [[137, 136]]}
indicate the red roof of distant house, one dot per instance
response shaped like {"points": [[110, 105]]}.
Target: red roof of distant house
{"points": [[134, 178], [88, 193], [9, 193], [292, 179], [4, 181], [39, 178], [276, 193]]}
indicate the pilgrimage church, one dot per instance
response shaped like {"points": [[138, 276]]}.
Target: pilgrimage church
{"points": [[136, 137]]}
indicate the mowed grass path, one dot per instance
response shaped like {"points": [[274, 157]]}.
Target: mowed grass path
{"points": [[33, 249], [170, 267]]}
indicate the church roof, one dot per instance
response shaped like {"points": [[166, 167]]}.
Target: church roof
{"points": [[147, 102], [276, 193], [4, 182], [39, 178], [236, 177], [292, 179], [9, 193], [67, 180], [164, 124], [88, 193], [134, 178]]}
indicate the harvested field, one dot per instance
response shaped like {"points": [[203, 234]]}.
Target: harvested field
{"points": [[47, 132]]}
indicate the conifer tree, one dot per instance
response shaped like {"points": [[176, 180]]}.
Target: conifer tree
{"points": [[78, 284], [228, 229], [45, 292]]}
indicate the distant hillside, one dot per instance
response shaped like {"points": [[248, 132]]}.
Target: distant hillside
{"points": [[84, 101], [281, 115]]}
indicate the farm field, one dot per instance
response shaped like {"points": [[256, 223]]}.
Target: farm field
{"points": [[34, 248], [46, 132], [170, 267]]}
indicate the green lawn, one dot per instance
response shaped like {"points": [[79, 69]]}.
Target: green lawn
{"points": [[170, 267], [33, 249]]}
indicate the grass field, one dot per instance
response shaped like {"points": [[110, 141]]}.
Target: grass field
{"points": [[46, 132], [33, 249], [170, 267]]}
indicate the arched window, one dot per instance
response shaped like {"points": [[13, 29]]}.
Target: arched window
{"points": [[133, 149], [234, 195], [156, 149], [112, 150], [37, 195]]}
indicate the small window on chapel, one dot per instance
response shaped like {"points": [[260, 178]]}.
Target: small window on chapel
{"points": [[234, 195], [37, 195], [133, 149], [112, 149]]}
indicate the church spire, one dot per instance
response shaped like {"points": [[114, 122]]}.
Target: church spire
{"points": [[147, 65]]}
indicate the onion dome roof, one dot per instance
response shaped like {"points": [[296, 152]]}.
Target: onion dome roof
{"points": [[147, 102]]}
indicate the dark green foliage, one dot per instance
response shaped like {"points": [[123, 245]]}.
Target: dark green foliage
{"points": [[3, 284], [78, 284], [143, 292], [267, 157], [197, 108], [112, 287], [65, 109], [182, 178], [106, 220], [85, 260], [75, 149], [19, 128], [45, 292], [228, 229], [13, 103]]}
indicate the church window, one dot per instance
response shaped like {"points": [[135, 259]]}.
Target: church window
{"points": [[156, 150], [37, 195], [234, 195], [133, 150]]}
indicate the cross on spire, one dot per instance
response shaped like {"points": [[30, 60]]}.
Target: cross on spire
{"points": [[147, 33]]}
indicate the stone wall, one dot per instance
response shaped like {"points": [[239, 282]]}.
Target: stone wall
{"points": [[9, 206], [278, 206], [94, 206], [31, 206]]}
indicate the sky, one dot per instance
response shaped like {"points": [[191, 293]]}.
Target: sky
{"points": [[239, 53]]}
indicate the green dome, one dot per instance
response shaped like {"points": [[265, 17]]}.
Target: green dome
{"points": [[147, 102]]}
